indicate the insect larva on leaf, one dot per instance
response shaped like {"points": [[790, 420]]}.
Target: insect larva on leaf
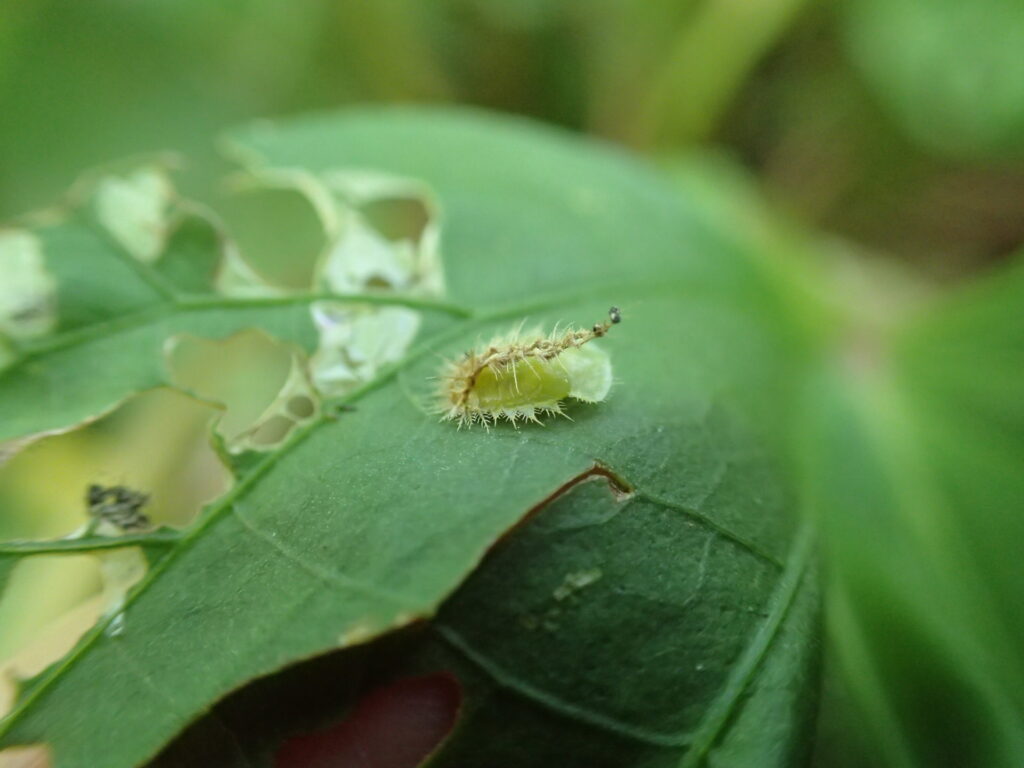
{"points": [[523, 376]]}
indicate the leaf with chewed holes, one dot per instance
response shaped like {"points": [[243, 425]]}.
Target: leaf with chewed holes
{"points": [[368, 516]]}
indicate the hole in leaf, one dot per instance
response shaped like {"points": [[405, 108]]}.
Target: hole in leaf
{"points": [[157, 442], [262, 382], [33, 756], [278, 232], [398, 218], [49, 602], [272, 431], [301, 407], [388, 237]]}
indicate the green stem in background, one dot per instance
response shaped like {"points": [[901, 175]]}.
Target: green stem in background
{"points": [[709, 60]]}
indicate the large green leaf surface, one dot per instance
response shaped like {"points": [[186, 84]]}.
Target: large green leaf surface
{"points": [[570, 653], [603, 663], [366, 520]]}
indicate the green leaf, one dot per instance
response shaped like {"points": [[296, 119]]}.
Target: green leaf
{"points": [[950, 72], [914, 448], [365, 520], [84, 373], [96, 280], [620, 621], [595, 634]]}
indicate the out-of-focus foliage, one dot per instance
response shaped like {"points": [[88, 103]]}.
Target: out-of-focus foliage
{"points": [[950, 72], [913, 447], [854, 136]]}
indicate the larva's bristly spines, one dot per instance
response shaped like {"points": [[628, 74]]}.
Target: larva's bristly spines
{"points": [[461, 397]]}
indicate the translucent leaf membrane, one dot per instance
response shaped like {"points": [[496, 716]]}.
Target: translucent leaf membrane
{"points": [[389, 235], [47, 604], [118, 216], [135, 209], [156, 442], [196, 249], [47, 635], [28, 291], [236, 278], [356, 341], [344, 232]]}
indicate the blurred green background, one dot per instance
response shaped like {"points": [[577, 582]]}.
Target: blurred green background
{"points": [[896, 126], [899, 123]]}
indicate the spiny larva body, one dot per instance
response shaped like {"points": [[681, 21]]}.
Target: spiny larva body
{"points": [[523, 376]]}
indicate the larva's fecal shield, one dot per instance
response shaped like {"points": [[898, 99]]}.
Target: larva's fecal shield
{"points": [[524, 376]]}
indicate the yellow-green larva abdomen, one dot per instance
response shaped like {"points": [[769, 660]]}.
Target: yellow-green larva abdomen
{"points": [[524, 383]]}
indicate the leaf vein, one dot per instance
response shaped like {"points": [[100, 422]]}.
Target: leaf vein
{"points": [[330, 576], [718, 714], [553, 703], [712, 525]]}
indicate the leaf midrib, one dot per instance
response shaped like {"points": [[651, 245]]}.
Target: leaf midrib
{"points": [[188, 303]]}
